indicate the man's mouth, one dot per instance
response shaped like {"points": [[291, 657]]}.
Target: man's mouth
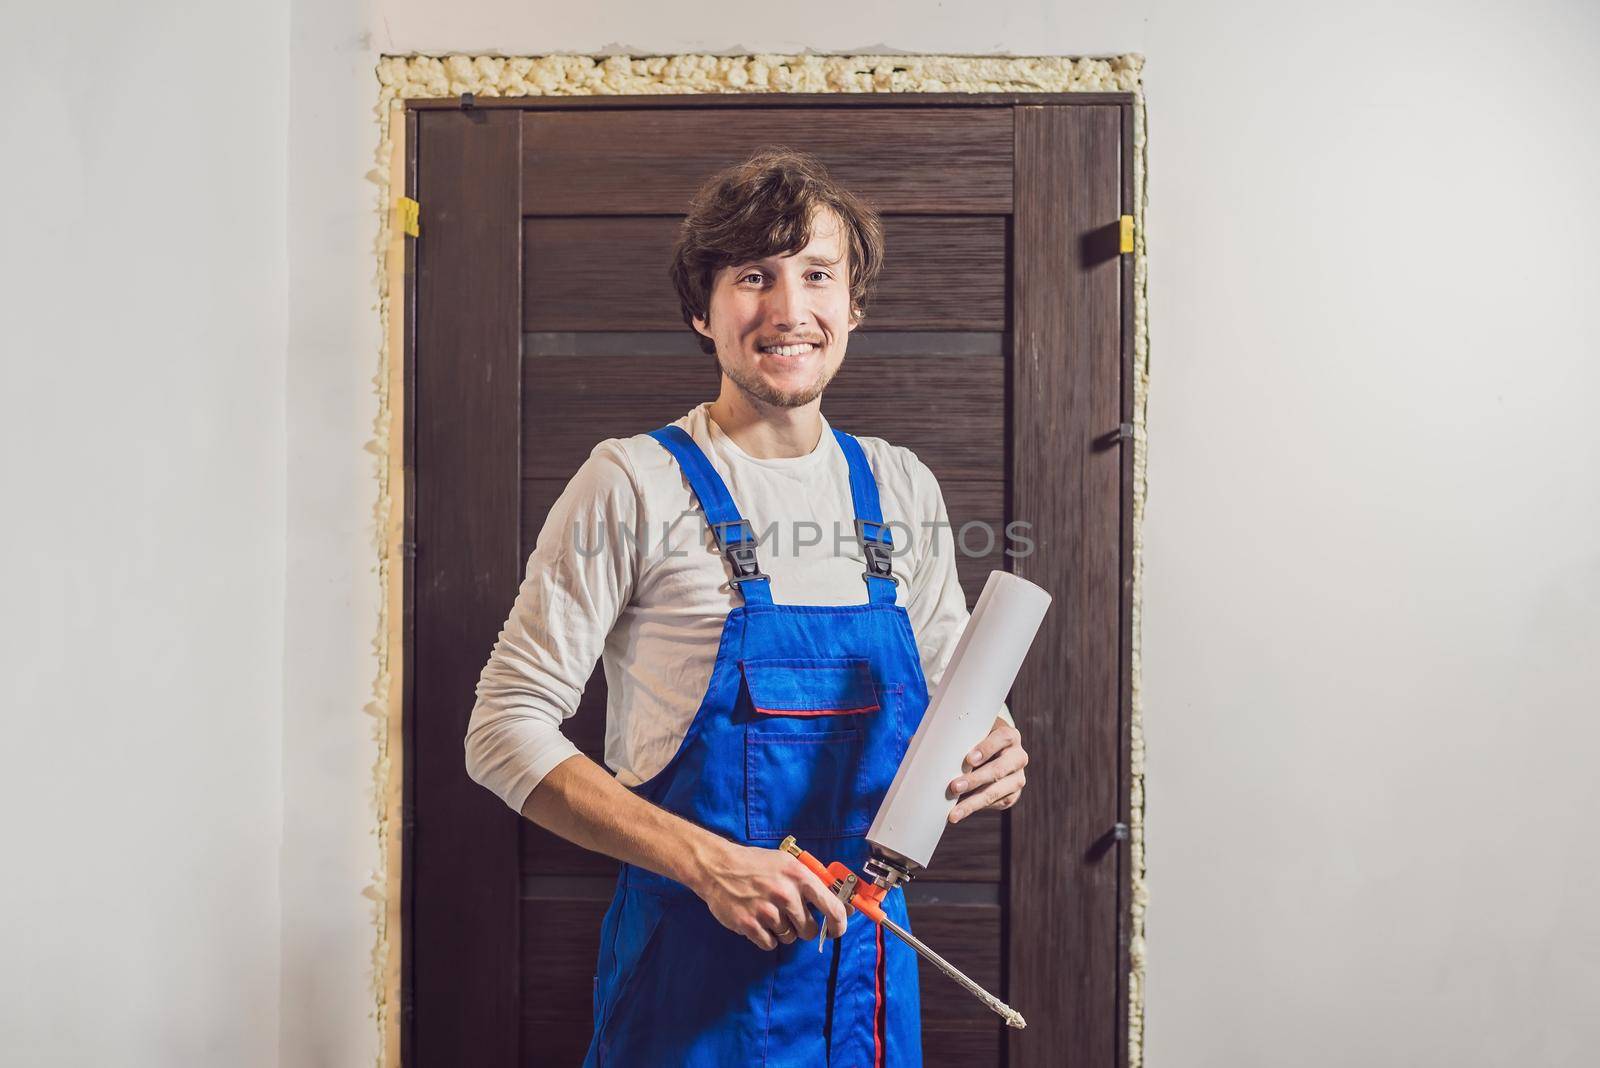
{"points": [[788, 350]]}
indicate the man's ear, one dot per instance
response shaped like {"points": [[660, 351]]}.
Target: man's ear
{"points": [[701, 325]]}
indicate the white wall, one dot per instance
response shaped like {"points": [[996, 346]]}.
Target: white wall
{"points": [[330, 848], [1371, 566], [1371, 561], [143, 274], [1373, 600]]}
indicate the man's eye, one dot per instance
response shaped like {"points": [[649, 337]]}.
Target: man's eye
{"points": [[825, 275], [752, 274]]}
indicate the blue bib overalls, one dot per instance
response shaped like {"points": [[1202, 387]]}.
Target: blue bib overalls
{"points": [[803, 724]]}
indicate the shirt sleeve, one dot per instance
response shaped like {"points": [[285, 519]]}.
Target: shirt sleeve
{"points": [[937, 604], [579, 577]]}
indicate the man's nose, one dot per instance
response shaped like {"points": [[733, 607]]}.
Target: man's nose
{"points": [[786, 303]]}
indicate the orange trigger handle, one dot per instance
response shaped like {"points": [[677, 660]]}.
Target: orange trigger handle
{"points": [[868, 898]]}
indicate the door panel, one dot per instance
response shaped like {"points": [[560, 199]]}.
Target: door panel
{"points": [[572, 402], [943, 272], [970, 852], [561, 938], [460, 895], [650, 162], [993, 349], [1066, 381]]}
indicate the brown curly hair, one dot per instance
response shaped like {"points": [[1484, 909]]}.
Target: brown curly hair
{"points": [[764, 207]]}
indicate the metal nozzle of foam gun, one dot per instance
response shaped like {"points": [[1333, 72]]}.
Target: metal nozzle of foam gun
{"points": [[887, 872]]}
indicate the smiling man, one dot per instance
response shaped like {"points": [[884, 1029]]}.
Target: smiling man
{"points": [[763, 679]]}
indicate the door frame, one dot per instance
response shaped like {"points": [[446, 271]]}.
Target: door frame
{"points": [[1125, 842]]}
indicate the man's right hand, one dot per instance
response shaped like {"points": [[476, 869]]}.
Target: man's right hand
{"points": [[762, 894]]}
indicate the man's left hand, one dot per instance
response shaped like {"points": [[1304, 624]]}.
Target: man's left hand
{"points": [[992, 773]]}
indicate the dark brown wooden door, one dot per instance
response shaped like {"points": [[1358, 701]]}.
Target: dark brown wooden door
{"points": [[995, 349]]}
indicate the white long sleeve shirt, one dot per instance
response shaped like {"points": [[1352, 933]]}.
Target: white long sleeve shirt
{"points": [[626, 571]]}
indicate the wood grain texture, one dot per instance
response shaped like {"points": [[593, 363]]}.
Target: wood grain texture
{"points": [[1066, 387], [943, 1048], [1125, 853], [1009, 435], [651, 162], [561, 940], [955, 425], [464, 967], [945, 272], [728, 102], [970, 851], [555, 1043]]}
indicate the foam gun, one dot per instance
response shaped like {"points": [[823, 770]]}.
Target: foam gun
{"points": [[916, 810]]}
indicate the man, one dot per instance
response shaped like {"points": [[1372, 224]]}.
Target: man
{"points": [[756, 687]]}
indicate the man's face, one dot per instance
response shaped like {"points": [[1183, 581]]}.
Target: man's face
{"points": [[801, 300]]}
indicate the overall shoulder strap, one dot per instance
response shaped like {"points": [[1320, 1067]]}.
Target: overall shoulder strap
{"points": [[877, 541], [733, 532]]}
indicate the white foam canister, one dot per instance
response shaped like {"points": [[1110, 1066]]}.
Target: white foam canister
{"points": [[960, 713]]}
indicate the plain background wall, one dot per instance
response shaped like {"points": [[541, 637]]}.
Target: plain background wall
{"points": [[1372, 586], [143, 314], [330, 831]]}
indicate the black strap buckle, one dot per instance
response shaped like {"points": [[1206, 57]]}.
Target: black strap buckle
{"points": [[741, 554], [878, 550]]}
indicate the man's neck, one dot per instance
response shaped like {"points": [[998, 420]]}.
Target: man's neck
{"points": [[766, 431]]}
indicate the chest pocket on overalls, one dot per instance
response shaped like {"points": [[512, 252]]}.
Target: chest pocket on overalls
{"points": [[812, 740]]}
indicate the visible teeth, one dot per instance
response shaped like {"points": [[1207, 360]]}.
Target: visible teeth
{"points": [[787, 350]]}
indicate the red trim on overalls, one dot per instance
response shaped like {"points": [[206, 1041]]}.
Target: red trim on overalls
{"points": [[863, 710]]}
